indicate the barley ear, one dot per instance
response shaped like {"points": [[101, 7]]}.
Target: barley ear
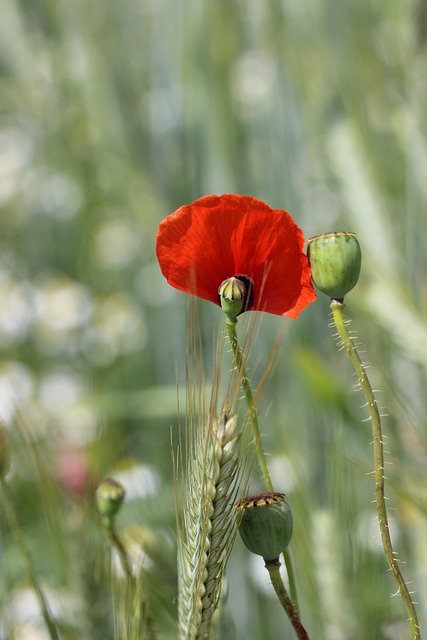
{"points": [[207, 529]]}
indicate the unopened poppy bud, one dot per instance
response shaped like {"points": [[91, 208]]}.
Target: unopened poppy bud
{"points": [[335, 260], [109, 497], [232, 294], [4, 451], [266, 524]]}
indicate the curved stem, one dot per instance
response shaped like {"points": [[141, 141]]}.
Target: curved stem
{"points": [[238, 358], [337, 308], [118, 546], [273, 569], [17, 532]]}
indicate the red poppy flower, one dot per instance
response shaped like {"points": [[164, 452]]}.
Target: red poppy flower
{"points": [[216, 237]]}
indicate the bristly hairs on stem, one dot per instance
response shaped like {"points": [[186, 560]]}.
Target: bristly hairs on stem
{"points": [[252, 417], [341, 325]]}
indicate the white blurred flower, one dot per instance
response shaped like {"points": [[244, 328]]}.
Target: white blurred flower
{"points": [[139, 481], [16, 148], [118, 327], [59, 196], [252, 81], [63, 396], [283, 473], [16, 309], [16, 388], [153, 287], [61, 388], [117, 243], [24, 609], [160, 110], [31, 631], [62, 305]]}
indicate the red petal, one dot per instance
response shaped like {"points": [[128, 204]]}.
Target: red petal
{"points": [[217, 237]]}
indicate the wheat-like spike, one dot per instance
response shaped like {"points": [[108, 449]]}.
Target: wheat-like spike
{"points": [[208, 527]]}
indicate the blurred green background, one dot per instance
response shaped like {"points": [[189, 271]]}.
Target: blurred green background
{"points": [[112, 115]]}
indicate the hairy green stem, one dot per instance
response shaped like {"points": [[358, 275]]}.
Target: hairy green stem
{"points": [[238, 358], [12, 518], [273, 569], [337, 308]]}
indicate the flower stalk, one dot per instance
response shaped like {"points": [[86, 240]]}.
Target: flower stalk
{"points": [[253, 415], [337, 308], [109, 499], [247, 391], [117, 544], [273, 569]]}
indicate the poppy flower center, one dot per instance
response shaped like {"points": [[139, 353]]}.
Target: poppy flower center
{"points": [[248, 298]]}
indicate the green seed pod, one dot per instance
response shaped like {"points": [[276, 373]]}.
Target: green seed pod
{"points": [[232, 294], [109, 497], [266, 524], [335, 260]]}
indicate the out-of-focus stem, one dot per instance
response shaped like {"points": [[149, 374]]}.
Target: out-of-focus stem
{"points": [[291, 578], [12, 518], [117, 544]]}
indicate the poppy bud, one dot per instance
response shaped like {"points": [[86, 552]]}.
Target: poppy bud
{"points": [[266, 524], [335, 260], [232, 294], [109, 497]]}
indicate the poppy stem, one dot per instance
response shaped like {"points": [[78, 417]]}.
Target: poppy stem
{"points": [[117, 544], [132, 582], [238, 358], [337, 308], [273, 569]]}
